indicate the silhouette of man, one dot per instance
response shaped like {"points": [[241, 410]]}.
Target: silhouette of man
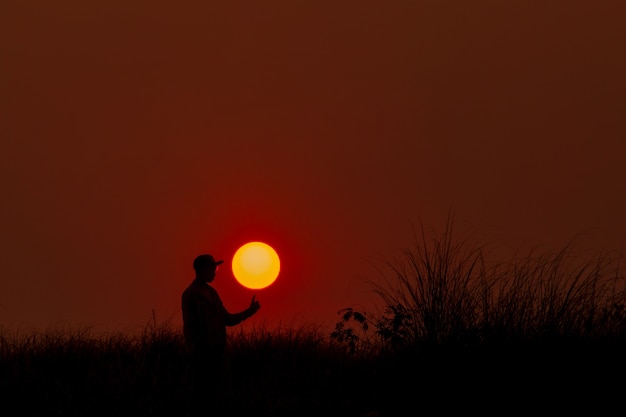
{"points": [[204, 327]]}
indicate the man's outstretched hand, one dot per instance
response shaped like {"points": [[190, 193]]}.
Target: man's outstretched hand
{"points": [[254, 305]]}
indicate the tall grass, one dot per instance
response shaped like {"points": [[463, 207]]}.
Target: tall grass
{"points": [[542, 330], [444, 292]]}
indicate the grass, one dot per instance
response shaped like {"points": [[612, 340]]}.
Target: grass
{"points": [[269, 373], [444, 293], [454, 333]]}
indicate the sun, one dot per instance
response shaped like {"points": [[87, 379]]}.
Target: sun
{"points": [[256, 265]]}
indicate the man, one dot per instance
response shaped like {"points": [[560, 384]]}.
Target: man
{"points": [[204, 325]]}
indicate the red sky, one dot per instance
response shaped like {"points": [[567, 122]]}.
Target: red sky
{"points": [[136, 135]]}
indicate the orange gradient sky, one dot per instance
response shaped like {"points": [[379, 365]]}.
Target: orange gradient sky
{"points": [[136, 135]]}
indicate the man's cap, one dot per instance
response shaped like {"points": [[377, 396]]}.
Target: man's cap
{"points": [[205, 261]]}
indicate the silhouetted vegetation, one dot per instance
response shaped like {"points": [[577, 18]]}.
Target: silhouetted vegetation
{"points": [[542, 329], [453, 334], [283, 372], [443, 294]]}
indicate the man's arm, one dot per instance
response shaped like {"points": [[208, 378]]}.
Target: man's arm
{"points": [[232, 319]]}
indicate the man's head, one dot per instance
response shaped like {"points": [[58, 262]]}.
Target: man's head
{"points": [[206, 266]]}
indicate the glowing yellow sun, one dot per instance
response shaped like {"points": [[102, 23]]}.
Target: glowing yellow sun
{"points": [[256, 265]]}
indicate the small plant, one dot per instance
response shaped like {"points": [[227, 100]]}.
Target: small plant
{"points": [[351, 330], [394, 327]]}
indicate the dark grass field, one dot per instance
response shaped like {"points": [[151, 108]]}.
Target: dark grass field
{"points": [[300, 372], [542, 334]]}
